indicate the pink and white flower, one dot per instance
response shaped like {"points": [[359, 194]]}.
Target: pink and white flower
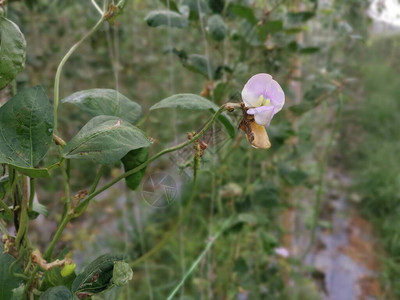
{"points": [[263, 97]]}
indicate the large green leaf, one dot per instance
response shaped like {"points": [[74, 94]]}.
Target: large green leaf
{"points": [[26, 128], [105, 139], [166, 18], [57, 293], [195, 102], [12, 51], [107, 102], [7, 281], [96, 277]]}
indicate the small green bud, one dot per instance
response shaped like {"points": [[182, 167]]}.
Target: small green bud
{"points": [[68, 270]]}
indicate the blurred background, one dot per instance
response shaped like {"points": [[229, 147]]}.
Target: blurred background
{"points": [[314, 217]]}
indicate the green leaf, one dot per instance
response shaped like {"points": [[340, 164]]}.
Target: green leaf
{"points": [[200, 64], [217, 6], [244, 12], [96, 277], [195, 6], [166, 18], [185, 101], [172, 5], [12, 51], [122, 273], [18, 293], [106, 102], [132, 160], [57, 293], [217, 27], [196, 63], [38, 209], [26, 129], [34, 173], [105, 139], [7, 281], [300, 17], [269, 27], [192, 101], [292, 175], [309, 50]]}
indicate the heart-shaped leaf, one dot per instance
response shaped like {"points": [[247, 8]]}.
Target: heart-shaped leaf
{"points": [[192, 101], [166, 18], [12, 51], [26, 128], [105, 139], [107, 102]]}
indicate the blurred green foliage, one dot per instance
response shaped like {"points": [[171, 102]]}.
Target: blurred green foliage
{"points": [[159, 48]]}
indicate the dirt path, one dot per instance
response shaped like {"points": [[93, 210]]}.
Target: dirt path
{"points": [[344, 255]]}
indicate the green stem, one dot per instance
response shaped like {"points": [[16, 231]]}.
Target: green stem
{"points": [[66, 216], [49, 251], [61, 65], [31, 279], [84, 203], [24, 218], [199, 258], [16, 262], [97, 178], [7, 210], [31, 193]]}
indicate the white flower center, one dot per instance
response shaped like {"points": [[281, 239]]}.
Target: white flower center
{"points": [[264, 101]]}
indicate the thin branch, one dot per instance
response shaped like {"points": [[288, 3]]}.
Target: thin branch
{"points": [[97, 7], [200, 257]]}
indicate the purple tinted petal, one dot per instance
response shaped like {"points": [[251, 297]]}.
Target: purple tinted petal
{"points": [[262, 115], [254, 88], [276, 95]]}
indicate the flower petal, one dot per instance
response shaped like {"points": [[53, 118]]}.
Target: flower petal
{"points": [[276, 95], [262, 115], [255, 87], [260, 137]]}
